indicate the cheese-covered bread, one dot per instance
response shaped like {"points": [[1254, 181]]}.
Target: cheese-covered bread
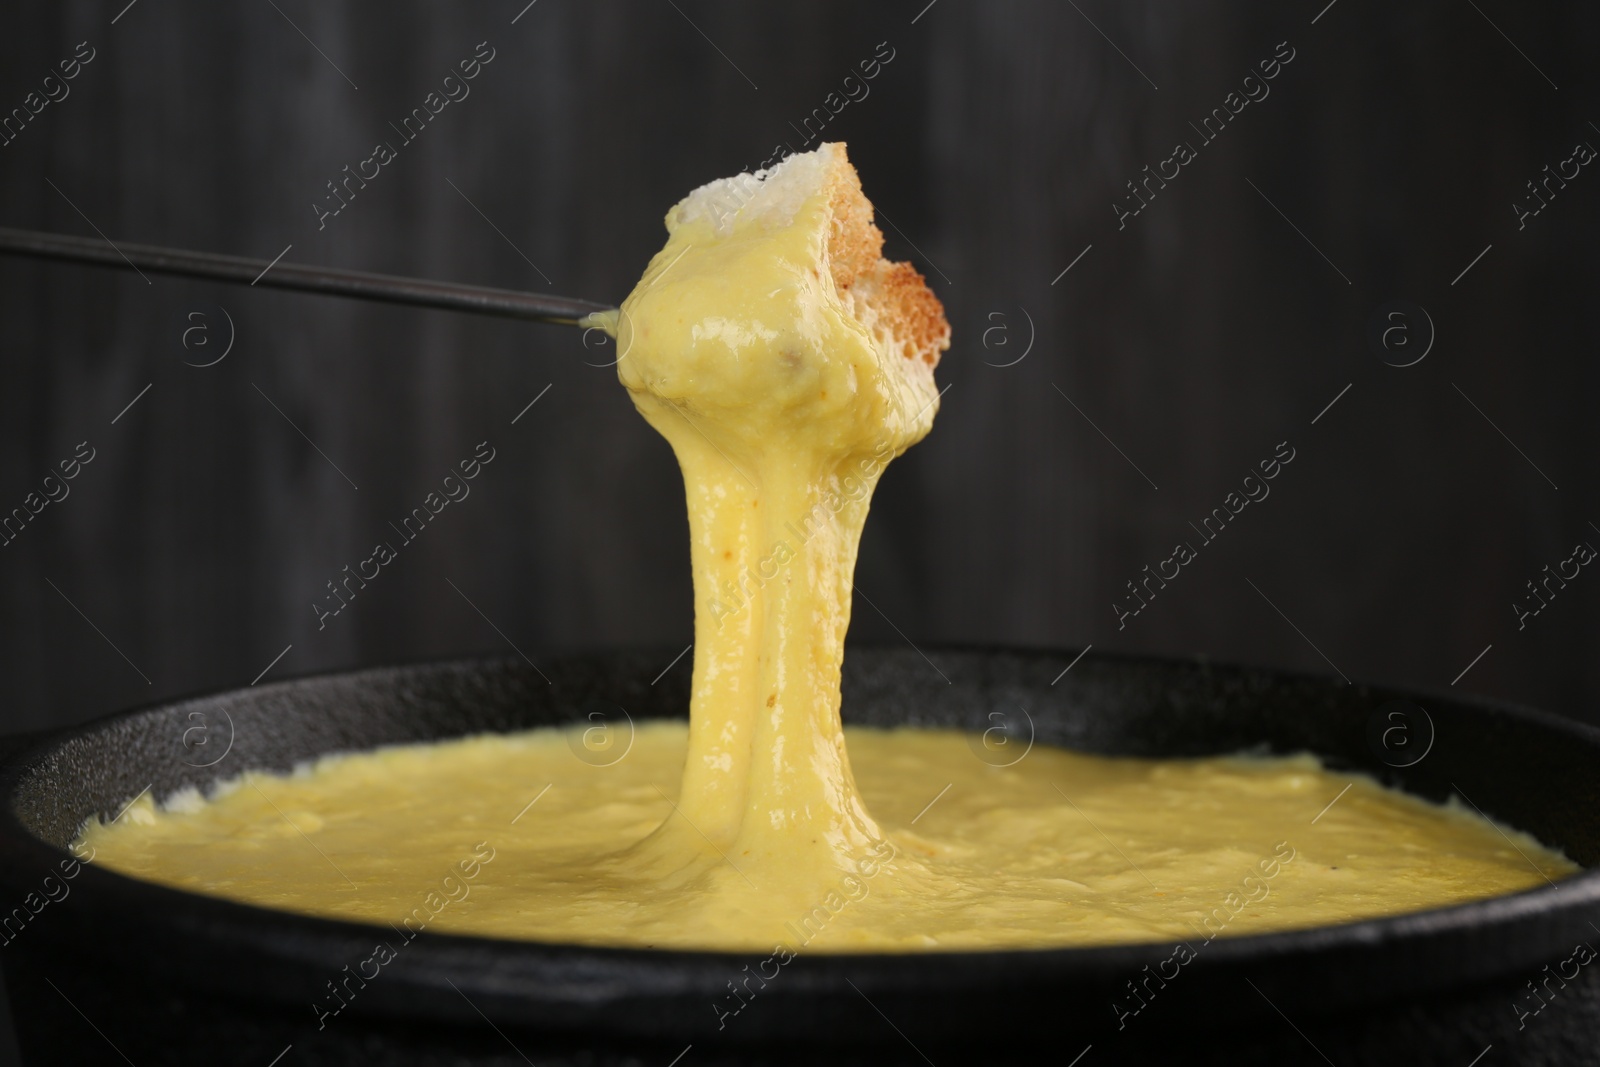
{"points": [[772, 295], [890, 299]]}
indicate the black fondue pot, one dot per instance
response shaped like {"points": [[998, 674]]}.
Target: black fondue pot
{"points": [[106, 969]]}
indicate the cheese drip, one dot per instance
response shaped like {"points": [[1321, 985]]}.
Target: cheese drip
{"points": [[786, 363]]}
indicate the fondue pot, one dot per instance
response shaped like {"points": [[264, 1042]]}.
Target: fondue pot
{"points": [[102, 968]]}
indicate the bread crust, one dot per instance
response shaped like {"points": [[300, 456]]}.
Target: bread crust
{"points": [[891, 299]]}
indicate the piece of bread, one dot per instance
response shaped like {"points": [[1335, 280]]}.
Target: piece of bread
{"points": [[891, 300]]}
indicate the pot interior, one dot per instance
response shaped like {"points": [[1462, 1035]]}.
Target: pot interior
{"points": [[1530, 770]]}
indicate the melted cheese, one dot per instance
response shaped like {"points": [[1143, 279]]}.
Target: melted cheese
{"points": [[786, 365], [1058, 849]]}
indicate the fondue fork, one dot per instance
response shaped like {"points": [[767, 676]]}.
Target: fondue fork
{"points": [[329, 281]]}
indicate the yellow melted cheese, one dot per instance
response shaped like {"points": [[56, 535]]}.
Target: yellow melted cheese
{"points": [[1058, 849], [749, 828]]}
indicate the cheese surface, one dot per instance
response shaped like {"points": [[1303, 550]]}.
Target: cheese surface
{"points": [[787, 362], [1060, 848]]}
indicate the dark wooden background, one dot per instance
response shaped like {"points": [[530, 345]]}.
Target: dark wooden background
{"points": [[190, 551]]}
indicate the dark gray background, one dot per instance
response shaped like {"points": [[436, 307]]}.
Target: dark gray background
{"points": [[190, 551]]}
